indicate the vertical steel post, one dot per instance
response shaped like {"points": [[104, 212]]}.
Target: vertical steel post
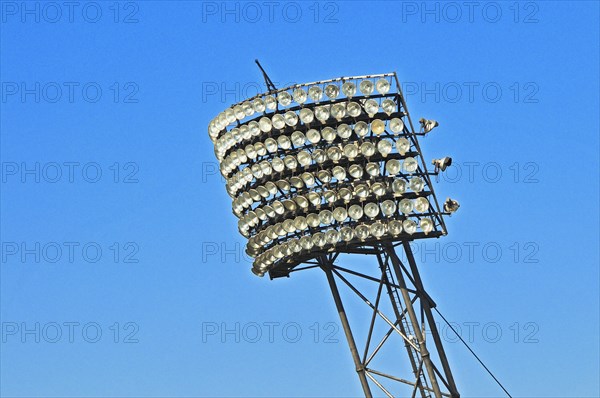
{"points": [[384, 266], [415, 323], [427, 309], [360, 369]]}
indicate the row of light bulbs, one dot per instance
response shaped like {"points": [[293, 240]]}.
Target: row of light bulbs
{"points": [[313, 224], [356, 171], [296, 222], [285, 142], [326, 198], [306, 117], [332, 237], [338, 190], [299, 95]]}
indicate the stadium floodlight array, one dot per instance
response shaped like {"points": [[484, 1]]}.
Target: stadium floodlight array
{"points": [[325, 167]]}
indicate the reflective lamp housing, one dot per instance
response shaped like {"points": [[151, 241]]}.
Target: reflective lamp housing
{"points": [[327, 166]]}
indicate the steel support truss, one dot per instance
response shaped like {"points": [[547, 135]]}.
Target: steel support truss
{"points": [[409, 322]]}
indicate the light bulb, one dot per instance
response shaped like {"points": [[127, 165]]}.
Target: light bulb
{"points": [[319, 239], [332, 236], [288, 225], [355, 212], [300, 96], [410, 164], [271, 145], [325, 177], [319, 156], [245, 132], [340, 214], [298, 138], [271, 187], [322, 113], [355, 171], [334, 153], [382, 86], [247, 107], [338, 111], [265, 124], [306, 242], [367, 149], [278, 121], [347, 234], [396, 125], [402, 145], [372, 169], [239, 112], [278, 207], [301, 201], [259, 105], [366, 87], [409, 226], [361, 191], [284, 98], [326, 217], [349, 89], [371, 107], [306, 115], [345, 194], [371, 210], [416, 184], [260, 149], [351, 150], [361, 129], [388, 106], [308, 178], [295, 245], [379, 188], [421, 205], [254, 128], [362, 232], [384, 147], [344, 131], [353, 109], [250, 151], [313, 220], [277, 165], [313, 136], [315, 93], [392, 167], [328, 134], [290, 162], [377, 126], [296, 182], [284, 142], [300, 223], [406, 206], [395, 227], [332, 91], [377, 229], [269, 211], [270, 102], [426, 225], [314, 199], [339, 173], [291, 118], [388, 207]]}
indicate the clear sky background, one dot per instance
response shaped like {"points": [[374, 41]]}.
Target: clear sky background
{"points": [[147, 252]]}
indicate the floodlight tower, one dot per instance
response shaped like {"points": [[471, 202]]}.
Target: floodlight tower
{"points": [[332, 169]]}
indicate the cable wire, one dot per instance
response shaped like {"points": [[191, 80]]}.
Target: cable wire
{"points": [[472, 352]]}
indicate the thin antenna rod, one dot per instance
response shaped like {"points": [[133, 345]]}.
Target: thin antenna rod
{"points": [[270, 86]]}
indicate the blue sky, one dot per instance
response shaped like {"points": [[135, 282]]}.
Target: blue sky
{"points": [[122, 270]]}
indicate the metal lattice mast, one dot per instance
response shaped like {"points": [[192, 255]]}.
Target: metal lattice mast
{"points": [[318, 170]]}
